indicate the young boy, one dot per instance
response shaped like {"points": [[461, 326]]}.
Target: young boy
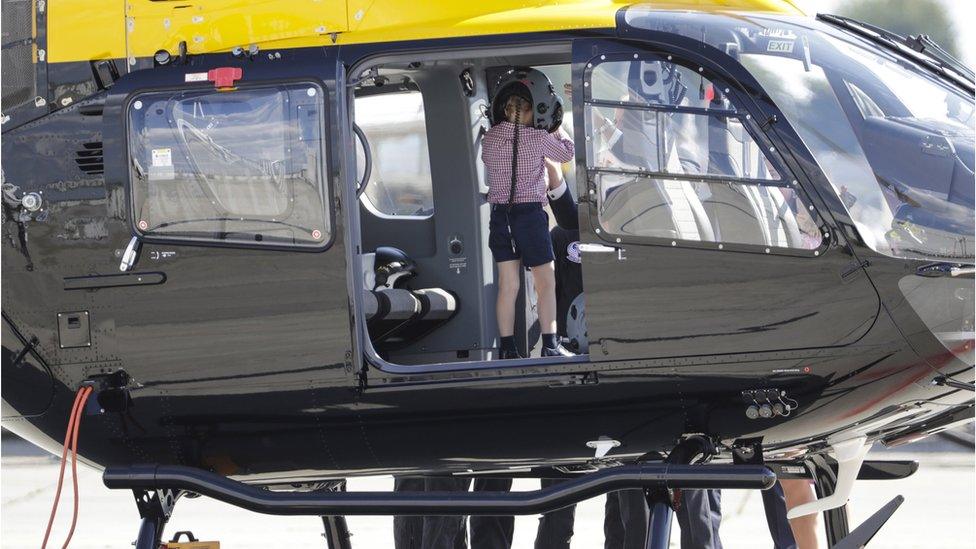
{"points": [[519, 227]]}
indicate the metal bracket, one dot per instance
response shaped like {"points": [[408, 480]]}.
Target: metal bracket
{"points": [[156, 503], [155, 508], [949, 382]]}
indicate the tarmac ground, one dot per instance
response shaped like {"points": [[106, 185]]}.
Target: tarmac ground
{"points": [[939, 511]]}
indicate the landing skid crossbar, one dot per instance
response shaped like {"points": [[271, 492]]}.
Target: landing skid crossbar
{"points": [[660, 476]]}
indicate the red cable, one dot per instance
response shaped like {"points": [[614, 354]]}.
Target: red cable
{"points": [[64, 461], [75, 416], [74, 465]]}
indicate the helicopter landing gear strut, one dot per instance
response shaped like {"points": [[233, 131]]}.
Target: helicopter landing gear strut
{"points": [[825, 481], [155, 508], [336, 530], [659, 519], [660, 502]]}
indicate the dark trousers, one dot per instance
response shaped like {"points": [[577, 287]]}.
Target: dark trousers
{"points": [[774, 503], [432, 532], [555, 528], [625, 520], [699, 516], [492, 532]]}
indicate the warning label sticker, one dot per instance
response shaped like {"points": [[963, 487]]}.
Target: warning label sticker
{"points": [[162, 157], [457, 263]]}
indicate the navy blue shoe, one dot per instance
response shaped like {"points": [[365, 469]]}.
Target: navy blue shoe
{"points": [[508, 355]]}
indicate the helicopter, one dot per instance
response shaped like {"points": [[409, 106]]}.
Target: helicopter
{"points": [[245, 247]]}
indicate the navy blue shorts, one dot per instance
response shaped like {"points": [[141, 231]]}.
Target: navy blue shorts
{"points": [[528, 239]]}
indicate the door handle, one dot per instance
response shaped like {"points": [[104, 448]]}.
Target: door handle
{"points": [[596, 248], [130, 254], [602, 249]]}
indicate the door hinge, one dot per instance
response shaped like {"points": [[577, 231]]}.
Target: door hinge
{"points": [[362, 380]]}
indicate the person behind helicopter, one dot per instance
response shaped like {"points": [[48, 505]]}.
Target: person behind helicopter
{"points": [[526, 118]]}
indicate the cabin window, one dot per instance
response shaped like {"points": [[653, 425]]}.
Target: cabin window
{"points": [[670, 156], [242, 167], [19, 75], [396, 133]]}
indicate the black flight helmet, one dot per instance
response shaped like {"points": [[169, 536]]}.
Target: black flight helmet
{"points": [[534, 86]]}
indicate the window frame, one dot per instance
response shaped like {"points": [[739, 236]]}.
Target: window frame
{"points": [[367, 204], [325, 165], [741, 112]]}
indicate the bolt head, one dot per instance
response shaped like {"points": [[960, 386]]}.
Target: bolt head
{"points": [[31, 202]]}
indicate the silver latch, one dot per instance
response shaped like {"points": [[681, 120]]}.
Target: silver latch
{"points": [[130, 254]]}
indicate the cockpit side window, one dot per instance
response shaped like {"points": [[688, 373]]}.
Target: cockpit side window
{"points": [[395, 126], [670, 156], [241, 167]]}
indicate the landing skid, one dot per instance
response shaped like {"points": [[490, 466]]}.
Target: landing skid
{"points": [[157, 487]]}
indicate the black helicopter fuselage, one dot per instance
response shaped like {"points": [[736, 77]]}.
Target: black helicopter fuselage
{"points": [[248, 360]]}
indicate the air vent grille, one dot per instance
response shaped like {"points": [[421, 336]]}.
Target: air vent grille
{"points": [[89, 158]]}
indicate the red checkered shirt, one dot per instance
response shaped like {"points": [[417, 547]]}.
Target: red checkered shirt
{"points": [[534, 146]]}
